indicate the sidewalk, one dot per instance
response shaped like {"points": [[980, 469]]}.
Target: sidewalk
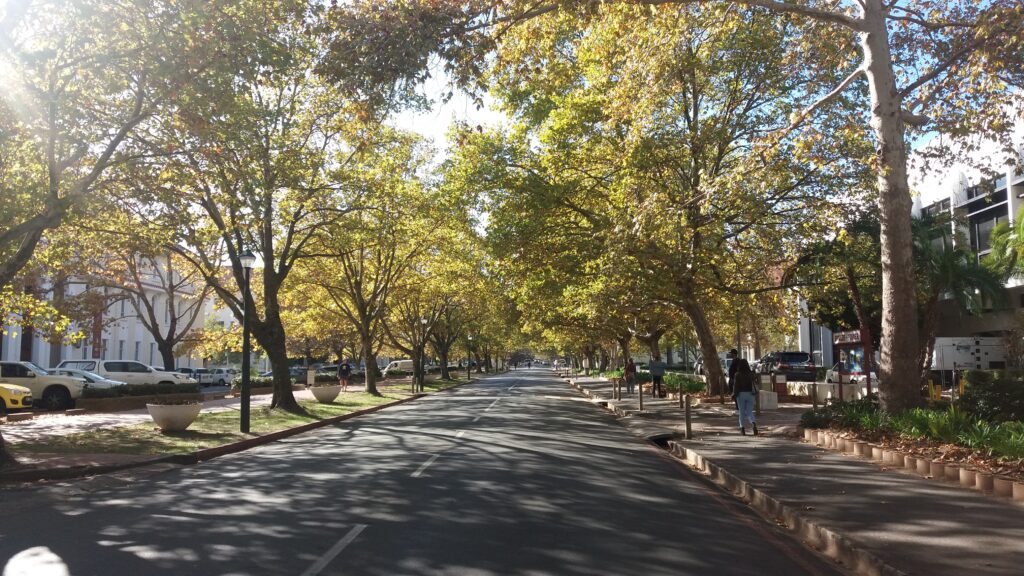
{"points": [[875, 520]]}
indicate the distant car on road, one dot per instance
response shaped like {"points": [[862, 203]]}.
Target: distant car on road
{"points": [[201, 375], [92, 380], [796, 366], [221, 376], [852, 373]]}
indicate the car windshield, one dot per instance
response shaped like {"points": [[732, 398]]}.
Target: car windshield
{"points": [[795, 357], [35, 368]]}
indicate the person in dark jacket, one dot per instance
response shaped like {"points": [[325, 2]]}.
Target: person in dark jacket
{"points": [[629, 374], [743, 391], [344, 373]]}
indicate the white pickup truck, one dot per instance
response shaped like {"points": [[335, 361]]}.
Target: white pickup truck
{"points": [[128, 371], [53, 392]]}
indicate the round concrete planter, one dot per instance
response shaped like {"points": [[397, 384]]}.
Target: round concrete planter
{"points": [[174, 417], [1002, 486], [1018, 492], [877, 453], [863, 449], [897, 459], [937, 470], [325, 394], [952, 473], [910, 462], [924, 467], [859, 447], [849, 446], [810, 435], [983, 481], [967, 478], [828, 440]]}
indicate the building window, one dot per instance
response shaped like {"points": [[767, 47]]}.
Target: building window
{"points": [[137, 346], [937, 208], [103, 349], [152, 352], [981, 231], [120, 349]]}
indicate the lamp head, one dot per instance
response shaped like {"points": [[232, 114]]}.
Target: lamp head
{"points": [[247, 259]]}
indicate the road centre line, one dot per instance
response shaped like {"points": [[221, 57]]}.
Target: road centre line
{"points": [[492, 405], [424, 466], [338, 547], [460, 433]]}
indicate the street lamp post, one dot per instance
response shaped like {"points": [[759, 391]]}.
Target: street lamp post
{"points": [[247, 259], [469, 355]]}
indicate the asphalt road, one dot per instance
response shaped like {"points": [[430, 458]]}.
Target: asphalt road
{"points": [[516, 474]]}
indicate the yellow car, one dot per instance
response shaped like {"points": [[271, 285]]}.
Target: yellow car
{"points": [[14, 397]]}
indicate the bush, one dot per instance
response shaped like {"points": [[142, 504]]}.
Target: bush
{"points": [[994, 396], [677, 382], [140, 390], [254, 382]]}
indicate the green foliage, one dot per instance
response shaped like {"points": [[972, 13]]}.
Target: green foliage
{"points": [[994, 396], [140, 390], [678, 382], [948, 426], [255, 382]]}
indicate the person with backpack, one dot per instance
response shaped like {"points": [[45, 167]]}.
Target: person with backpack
{"points": [[344, 373], [629, 373], [743, 391]]}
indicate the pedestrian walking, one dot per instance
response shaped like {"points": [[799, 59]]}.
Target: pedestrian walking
{"points": [[743, 391], [733, 355], [629, 373], [344, 373], [657, 368]]}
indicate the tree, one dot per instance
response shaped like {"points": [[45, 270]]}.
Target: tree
{"points": [[948, 269], [936, 64], [641, 166], [258, 164]]}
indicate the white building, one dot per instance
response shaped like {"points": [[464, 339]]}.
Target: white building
{"points": [[119, 332]]}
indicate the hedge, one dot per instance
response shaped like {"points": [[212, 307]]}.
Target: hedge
{"points": [[140, 390]]}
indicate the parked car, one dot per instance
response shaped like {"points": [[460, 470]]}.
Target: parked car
{"points": [[91, 380], [54, 392], [128, 371], [398, 366], [14, 397], [797, 366], [698, 367], [222, 376], [201, 375], [852, 373]]}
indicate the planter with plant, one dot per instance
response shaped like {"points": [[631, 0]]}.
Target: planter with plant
{"points": [[174, 415], [325, 391]]}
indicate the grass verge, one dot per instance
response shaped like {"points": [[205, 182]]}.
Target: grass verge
{"points": [[208, 431]]}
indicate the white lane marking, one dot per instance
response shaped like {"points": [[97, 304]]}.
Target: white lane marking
{"points": [[478, 417], [492, 405], [461, 432], [513, 386], [424, 466], [331, 554]]}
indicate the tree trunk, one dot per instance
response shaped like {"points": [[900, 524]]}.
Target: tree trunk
{"points": [[706, 341], [166, 352], [442, 355], [668, 354], [283, 397], [604, 360], [865, 327], [654, 343], [924, 356], [371, 367], [624, 346], [6, 458], [899, 370]]}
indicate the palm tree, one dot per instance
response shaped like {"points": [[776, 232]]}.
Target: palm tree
{"points": [[946, 268]]}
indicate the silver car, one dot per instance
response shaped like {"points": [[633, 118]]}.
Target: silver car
{"points": [[91, 379]]}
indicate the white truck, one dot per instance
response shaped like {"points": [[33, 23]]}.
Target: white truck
{"points": [[128, 371], [52, 392], [966, 353]]}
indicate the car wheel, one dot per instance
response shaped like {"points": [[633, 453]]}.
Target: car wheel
{"points": [[221, 382], [56, 398]]}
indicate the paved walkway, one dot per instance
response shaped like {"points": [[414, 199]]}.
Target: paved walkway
{"points": [[905, 523]]}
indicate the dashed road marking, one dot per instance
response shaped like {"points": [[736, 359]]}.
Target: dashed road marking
{"points": [[338, 548], [460, 433], [424, 466]]}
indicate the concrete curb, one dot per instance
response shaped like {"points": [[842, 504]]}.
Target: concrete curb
{"points": [[830, 542], [833, 544], [65, 473]]}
